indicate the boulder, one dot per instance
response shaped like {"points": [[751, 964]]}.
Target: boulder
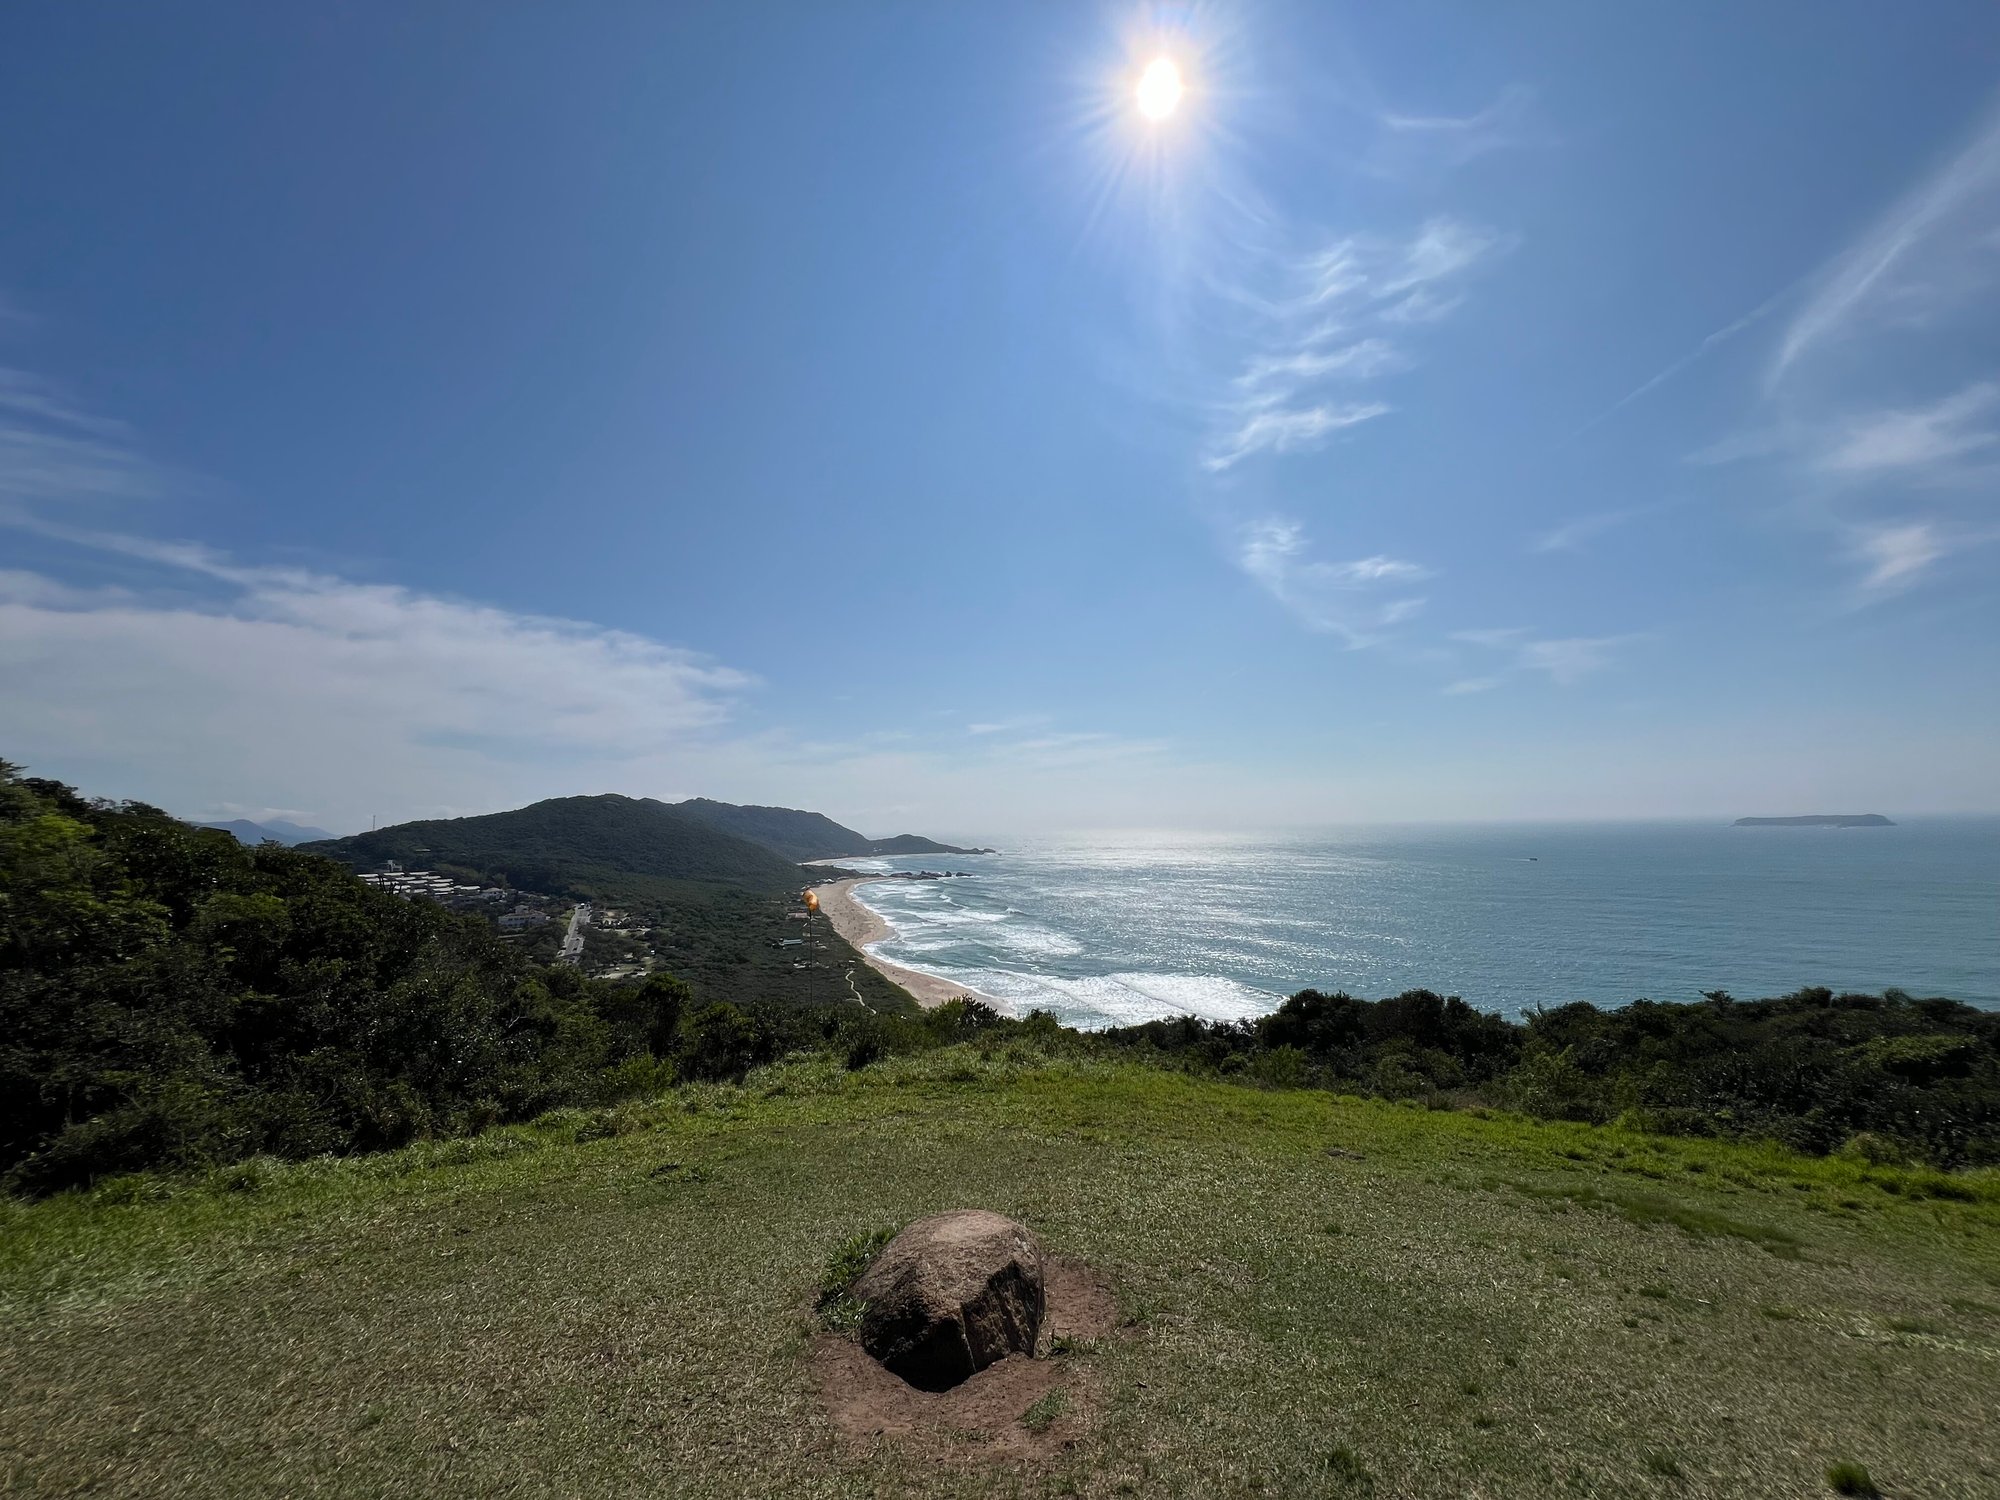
{"points": [[950, 1295]]}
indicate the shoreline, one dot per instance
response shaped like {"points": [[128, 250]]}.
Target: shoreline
{"points": [[862, 926]]}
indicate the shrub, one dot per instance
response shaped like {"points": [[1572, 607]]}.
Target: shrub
{"points": [[836, 1305], [717, 1042], [1847, 1478]]}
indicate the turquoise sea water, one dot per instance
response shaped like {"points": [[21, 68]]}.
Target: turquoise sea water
{"points": [[1104, 930]]}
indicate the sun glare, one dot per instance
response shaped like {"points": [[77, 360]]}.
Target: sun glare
{"points": [[1160, 88]]}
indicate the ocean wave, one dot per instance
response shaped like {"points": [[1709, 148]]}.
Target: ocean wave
{"points": [[1094, 1002]]}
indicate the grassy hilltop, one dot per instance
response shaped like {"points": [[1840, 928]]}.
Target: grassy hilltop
{"points": [[1325, 1296]]}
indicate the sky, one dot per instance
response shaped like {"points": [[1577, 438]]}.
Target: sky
{"points": [[1445, 411]]}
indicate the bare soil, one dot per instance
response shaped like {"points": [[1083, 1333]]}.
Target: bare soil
{"points": [[981, 1419]]}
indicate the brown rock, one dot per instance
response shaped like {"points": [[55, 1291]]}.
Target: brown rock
{"points": [[952, 1294]]}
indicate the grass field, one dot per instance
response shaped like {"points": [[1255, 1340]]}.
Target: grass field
{"points": [[1327, 1297]]}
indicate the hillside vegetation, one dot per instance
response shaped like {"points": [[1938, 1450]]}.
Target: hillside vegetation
{"points": [[1322, 1297], [717, 904], [802, 836], [172, 999], [609, 847], [1884, 1075]]}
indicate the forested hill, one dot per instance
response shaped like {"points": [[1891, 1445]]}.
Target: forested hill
{"points": [[608, 846], [799, 835]]}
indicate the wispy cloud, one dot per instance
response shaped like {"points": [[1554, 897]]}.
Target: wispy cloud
{"points": [[53, 452], [1708, 345], [1008, 726], [1335, 320], [1573, 533], [1562, 660], [1925, 254], [1915, 440], [1442, 142], [1288, 429], [1362, 360], [1896, 556], [1340, 598], [1892, 473]]}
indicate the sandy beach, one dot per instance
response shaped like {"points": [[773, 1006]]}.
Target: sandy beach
{"points": [[861, 927]]}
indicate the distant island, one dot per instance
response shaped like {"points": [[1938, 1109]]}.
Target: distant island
{"points": [[1819, 820]]}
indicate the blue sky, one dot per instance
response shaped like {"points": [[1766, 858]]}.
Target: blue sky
{"points": [[1448, 411]]}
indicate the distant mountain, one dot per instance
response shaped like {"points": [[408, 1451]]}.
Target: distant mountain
{"points": [[610, 846], [1819, 820], [275, 831], [801, 835]]}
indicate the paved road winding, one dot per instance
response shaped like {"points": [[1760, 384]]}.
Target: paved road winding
{"points": [[572, 948]]}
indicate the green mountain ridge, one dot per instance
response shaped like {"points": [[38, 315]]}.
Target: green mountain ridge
{"points": [[800, 835], [608, 846]]}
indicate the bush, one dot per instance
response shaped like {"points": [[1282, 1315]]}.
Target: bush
{"points": [[717, 1042], [1895, 1079], [836, 1306]]}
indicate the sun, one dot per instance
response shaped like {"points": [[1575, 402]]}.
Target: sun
{"points": [[1160, 88]]}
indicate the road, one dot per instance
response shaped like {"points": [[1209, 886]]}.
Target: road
{"points": [[572, 948]]}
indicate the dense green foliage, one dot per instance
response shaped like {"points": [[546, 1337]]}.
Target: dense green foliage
{"points": [[171, 998], [608, 847], [798, 835], [723, 941], [1883, 1074]]}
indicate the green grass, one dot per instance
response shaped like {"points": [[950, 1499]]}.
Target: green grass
{"points": [[1662, 1464], [621, 1302], [1041, 1416], [839, 1310]]}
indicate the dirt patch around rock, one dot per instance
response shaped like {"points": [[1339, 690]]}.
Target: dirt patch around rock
{"points": [[1016, 1410]]}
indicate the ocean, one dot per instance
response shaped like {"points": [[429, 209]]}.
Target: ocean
{"points": [[1105, 930]]}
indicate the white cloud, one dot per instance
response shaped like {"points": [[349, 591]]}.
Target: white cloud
{"points": [[1564, 660], [1709, 342], [1288, 429], [1572, 534], [293, 682], [1896, 555], [1008, 726], [1413, 143], [1357, 361], [52, 451], [1421, 306], [1917, 438], [1859, 447], [1928, 252], [1355, 289], [1339, 598], [1443, 248]]}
